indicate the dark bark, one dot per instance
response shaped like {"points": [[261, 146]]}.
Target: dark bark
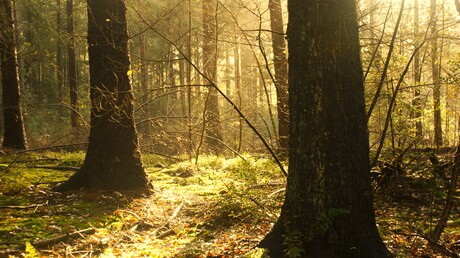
{"points": [[435, 69], [113, 159], [210, 72], [281, 72], [449, 203], [14, 134], [72, 65], [328, 209]]}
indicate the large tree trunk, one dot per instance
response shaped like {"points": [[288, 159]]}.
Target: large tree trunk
{"points": [[14, 134], [113, 160], [72, 66], [281, 72], [328, 210], [213, 132]]}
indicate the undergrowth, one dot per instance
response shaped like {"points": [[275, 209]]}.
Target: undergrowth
{"points": [[218, 207]]}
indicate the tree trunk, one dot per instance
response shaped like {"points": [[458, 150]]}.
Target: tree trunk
{"points": [[417, 76], [72, 66], [14, 134], [281, 72], [59, 63], [237, 75], [436, 78], [113, 159], [328, 209], [144, 84], [213, 132]]}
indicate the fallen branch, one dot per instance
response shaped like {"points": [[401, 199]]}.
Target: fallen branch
{"points": [[23, 207], [167, 233], [165, 225], [64, 168], [276, 192], [62, 238], [8, 252]]}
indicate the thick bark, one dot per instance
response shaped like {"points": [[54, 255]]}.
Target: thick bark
{"points": [[281, 72], [328, 210], [72, 65], [210, 72], [14, 134], [436, 78], [113, 159]]}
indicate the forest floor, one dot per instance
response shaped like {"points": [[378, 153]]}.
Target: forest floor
{"points": [[221, 207]]}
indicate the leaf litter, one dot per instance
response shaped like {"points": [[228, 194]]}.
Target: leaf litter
{"points": [[221, 207]]}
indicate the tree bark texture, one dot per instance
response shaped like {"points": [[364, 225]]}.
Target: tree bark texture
{"points": [[328, 209], [14, 134], [210, 72], [113, 159], [72, 65], [435, 68], [281, 72]]}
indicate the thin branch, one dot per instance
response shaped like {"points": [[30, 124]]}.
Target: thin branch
{"points": [[227, 99]]}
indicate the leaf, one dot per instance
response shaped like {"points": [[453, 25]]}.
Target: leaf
{"points": [[31, 252]]}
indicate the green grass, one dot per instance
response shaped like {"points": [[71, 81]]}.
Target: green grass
{"points": [[222, 206]]}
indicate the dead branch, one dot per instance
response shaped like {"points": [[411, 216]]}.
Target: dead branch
{"points": [[65, 168], [9, 252], [166, 224], [23, 207], [62, 238], [167, 233]]}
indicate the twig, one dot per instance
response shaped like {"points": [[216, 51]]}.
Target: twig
{"points": [[277, 191], [176, 212], [55, 167], [8, 252], [167, 233], [23, 207]]}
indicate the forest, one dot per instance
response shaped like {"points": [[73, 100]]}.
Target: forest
{"points": [[219, 128]]}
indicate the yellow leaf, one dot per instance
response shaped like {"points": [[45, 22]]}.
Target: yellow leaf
{"points": [[129, 72]]}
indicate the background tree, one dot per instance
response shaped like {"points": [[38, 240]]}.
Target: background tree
{"points": [[417, 74], [328, 210], [14, 134], [72, 65], [212, 112], [435, 75], [281, 71], [113, 159]]}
